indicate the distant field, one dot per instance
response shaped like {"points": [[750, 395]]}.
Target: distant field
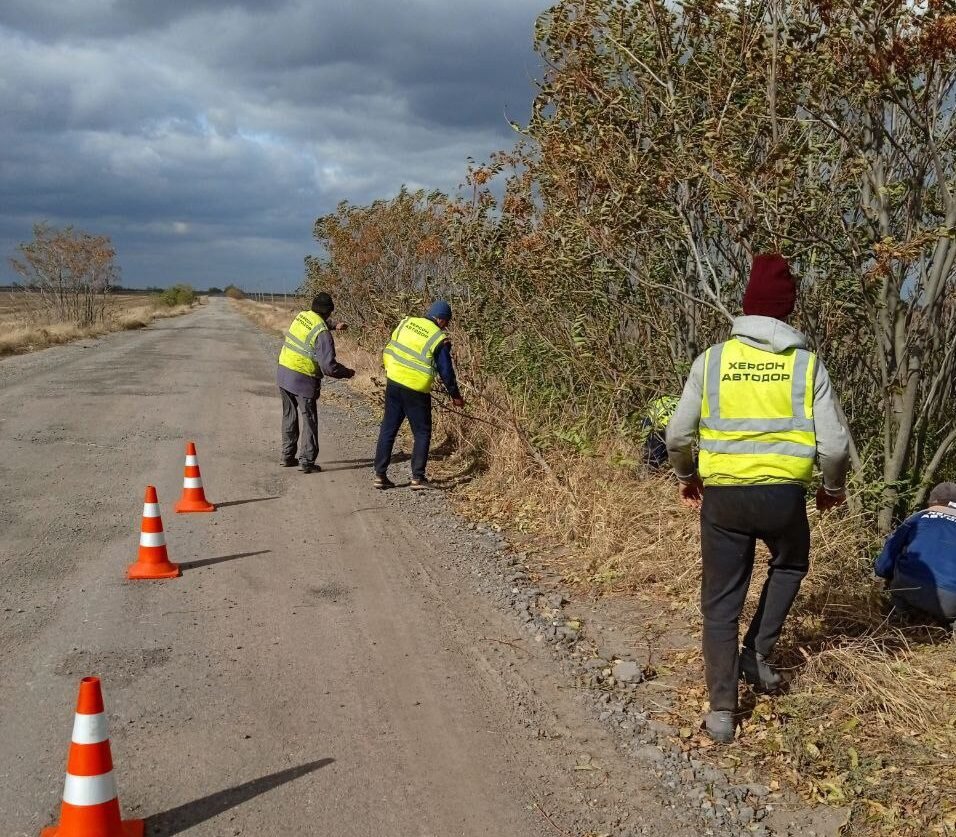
{"points": [[17, 305], [25, 326]]}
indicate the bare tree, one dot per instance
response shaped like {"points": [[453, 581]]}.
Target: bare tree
{"points": [[70, 272]]}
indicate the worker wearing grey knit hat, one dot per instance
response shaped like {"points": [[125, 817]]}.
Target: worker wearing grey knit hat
{"points": [[943, 494]]}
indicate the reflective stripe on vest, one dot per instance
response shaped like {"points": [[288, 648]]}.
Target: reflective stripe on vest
{"points": [[756, 421], [409, 356], [299, 343]]}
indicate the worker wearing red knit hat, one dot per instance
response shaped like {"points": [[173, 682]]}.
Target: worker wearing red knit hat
{"points": [[771, 291], [763, 410]]}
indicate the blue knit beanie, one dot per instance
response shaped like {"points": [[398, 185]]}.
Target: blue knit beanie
{"points": [[439, 310]]}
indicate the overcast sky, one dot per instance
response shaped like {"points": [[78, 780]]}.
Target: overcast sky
{"points": [[204, 136]]}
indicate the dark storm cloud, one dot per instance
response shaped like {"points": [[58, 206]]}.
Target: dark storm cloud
{"points": [[224, 128], [55, 19]]}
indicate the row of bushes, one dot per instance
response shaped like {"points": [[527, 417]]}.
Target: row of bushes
{"points": [[177, 295], [668, 144], [183, 294]]}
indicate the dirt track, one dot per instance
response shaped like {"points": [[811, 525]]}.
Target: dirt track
{"points": [[320, 668]]}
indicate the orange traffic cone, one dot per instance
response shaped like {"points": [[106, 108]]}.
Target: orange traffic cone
{"points": [[194, 498], [90, 806], [153, 562]]}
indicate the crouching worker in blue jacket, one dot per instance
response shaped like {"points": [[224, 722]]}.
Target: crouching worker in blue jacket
{"points": [[919, 559]]}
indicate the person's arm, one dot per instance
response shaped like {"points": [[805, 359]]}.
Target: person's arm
{"points": [[681, 432], [683, 426], [833, 437], [446, 369], [324, 355], [892, 550]]}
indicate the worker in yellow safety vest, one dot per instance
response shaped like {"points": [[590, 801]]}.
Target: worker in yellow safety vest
{"points": [[417, 351], [763, 409], [656, 418], [307, 354]]}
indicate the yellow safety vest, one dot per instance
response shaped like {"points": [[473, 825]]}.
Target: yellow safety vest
{"points": [[661, 410], [409, 357], [300, 340], [756, 421]]}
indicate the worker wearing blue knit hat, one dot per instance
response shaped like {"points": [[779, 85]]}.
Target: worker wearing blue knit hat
{"points": [[417, 351]]}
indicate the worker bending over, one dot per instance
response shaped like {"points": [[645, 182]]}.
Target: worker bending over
{"points": [[417, 351], [919, 559], [656, 418], [307, 355], [763, 408]]}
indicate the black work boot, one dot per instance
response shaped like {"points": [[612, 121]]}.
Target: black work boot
{"points": [[755, 669]]}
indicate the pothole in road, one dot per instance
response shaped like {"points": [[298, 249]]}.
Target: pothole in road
{"points": [[117, 666], [332, 591]]}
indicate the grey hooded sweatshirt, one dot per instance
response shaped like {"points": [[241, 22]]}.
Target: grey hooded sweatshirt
{"points": [[770, 335]]}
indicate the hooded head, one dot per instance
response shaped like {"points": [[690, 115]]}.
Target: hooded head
{"points": [[771, 291], [439, 310], [323, 305], [943, 494]]}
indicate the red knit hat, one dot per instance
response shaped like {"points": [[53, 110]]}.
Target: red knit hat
{"points": [[771, 291]]}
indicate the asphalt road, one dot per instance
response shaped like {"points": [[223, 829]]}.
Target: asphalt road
{"points": [[314, 671]]}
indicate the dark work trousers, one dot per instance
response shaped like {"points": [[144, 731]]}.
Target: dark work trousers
{"points": [[401, 403], [655, 451], [291, 405], [732, 518], [917, 597]]}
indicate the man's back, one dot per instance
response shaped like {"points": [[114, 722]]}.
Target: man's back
{"points": [[761, 406], [765, 399], [923, 549]]}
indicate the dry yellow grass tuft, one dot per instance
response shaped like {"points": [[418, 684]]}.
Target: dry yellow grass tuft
{"points": [[888, 675]]}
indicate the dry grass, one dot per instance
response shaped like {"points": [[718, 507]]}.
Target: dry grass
{"points": [[873, 675], [869, 722], [26, 329], [274, 318]]}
